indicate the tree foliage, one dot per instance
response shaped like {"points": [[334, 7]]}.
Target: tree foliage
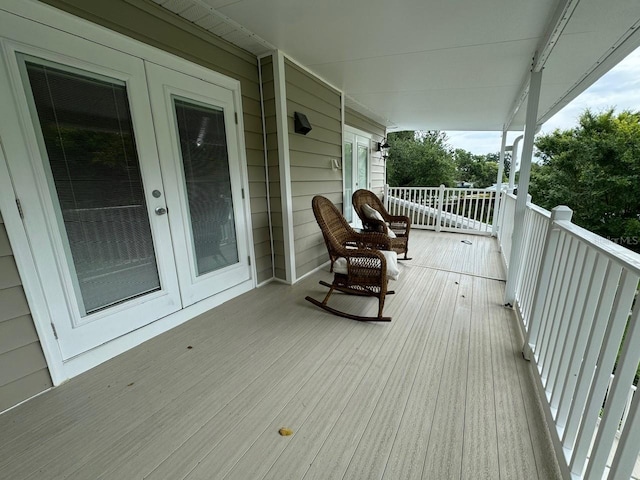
{"points": [[419, 160], [481, 170], [594, 169], [425, 159]]}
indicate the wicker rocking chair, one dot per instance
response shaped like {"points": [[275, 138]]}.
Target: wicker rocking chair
{"points": [[362, 262], [400, 225]]}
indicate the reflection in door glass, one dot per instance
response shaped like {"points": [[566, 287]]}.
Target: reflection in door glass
{"points": [[203, 145], [88, 135], [347, 168]]}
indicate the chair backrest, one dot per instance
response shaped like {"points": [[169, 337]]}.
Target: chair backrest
{"points": [[363, 197], [335, 228]]}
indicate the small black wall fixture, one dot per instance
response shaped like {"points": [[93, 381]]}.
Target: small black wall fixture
{"points": [[301, 124]]}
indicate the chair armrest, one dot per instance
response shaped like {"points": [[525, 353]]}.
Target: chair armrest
{"points": [[400, 224]]}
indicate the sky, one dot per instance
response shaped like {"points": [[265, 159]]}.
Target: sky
{"points": [[619, 89]]}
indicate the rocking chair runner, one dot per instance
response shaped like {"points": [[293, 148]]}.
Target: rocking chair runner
{"points": [[361, 268], [400, 225]]}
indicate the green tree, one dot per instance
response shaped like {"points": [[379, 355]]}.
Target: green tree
{"points": [[420, 159], [594, 169], [481, 170]]}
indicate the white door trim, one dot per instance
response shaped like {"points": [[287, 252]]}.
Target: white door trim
{"points": [[28, 274], [354, 134], [284, 165]]}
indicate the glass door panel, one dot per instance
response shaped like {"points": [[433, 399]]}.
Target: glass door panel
{"points": [[93, 164], [205, 160]]}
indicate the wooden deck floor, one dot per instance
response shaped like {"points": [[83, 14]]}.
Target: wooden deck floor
{"points": [[441, 392]]}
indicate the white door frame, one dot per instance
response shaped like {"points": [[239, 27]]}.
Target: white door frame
{"points": [[20, 20], [163, 85], [360, 137], [79, 332]]}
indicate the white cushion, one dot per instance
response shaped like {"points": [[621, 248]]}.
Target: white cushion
{"points": [[340, 265], [372, 214]]}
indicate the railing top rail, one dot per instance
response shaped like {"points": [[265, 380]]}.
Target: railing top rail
{"points": [[536, 208], [414, 188], [617, 253]]}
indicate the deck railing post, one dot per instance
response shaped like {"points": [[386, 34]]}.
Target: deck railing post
{"points": [[385, 196], [498, 198], [439, 208], [535, 83], [561, 212]]}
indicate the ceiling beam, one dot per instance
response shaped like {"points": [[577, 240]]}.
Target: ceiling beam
{"points": [[547, 43], [626, 44]]}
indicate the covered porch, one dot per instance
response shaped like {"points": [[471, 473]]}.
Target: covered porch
{"points": [[440, 392]]}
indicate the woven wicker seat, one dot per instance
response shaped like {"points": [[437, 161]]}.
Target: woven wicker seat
{"points": [[366, 265], [400, 225]]}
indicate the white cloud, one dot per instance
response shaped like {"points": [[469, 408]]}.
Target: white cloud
{"points": [[618, 89]]}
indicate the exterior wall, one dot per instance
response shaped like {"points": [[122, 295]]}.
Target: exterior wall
{"points": [[275, 195], [23, 369], [153, 25], [377, 167], [311, 160]]}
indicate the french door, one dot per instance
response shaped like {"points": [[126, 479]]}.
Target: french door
{"points": [[198, 148], [131, 181], [355, 169]]}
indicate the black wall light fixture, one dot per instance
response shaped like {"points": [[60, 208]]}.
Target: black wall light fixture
{"points": [[384, 149], [380, 146], [301, 123]]}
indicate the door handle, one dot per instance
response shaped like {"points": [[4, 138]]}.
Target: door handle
{"points": [[161, 210]]}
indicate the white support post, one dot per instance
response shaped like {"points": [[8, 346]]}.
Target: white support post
{"points": [[439, 209], [284, 165], [514, 164], [561, 212], [497, 203], [523, 188], [385, 197]]}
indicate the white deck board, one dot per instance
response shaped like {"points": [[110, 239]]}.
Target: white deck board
{"points": [[440, 392]]}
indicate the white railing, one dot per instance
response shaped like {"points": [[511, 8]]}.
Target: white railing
{"points": [[468, 210], [575, 296], [505, 229], [536, 223]]}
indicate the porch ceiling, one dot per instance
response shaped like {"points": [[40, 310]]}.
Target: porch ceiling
{"points": [[427, 64]]}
